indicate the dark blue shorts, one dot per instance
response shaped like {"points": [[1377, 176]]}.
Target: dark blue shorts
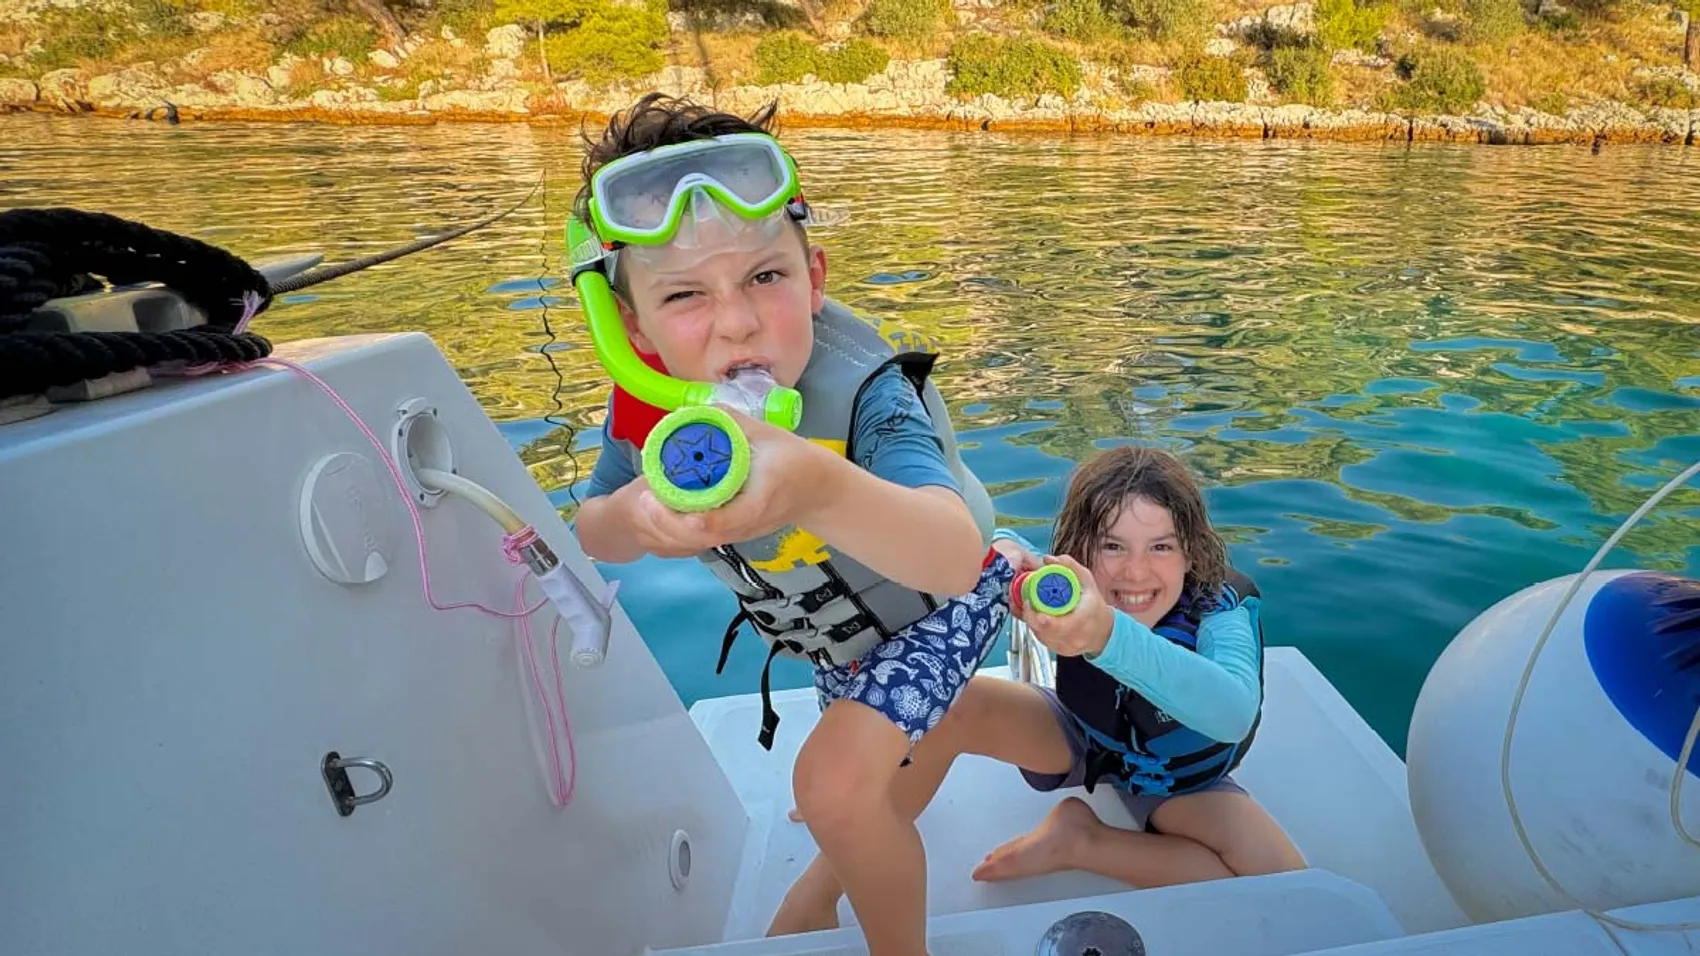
{"points": [[915, 677], [1139, 805]]}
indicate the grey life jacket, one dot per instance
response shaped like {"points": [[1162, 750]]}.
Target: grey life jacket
{"points": [[804, 597]]}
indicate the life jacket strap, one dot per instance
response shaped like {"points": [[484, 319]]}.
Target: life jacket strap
{"points": [[769, 716]]}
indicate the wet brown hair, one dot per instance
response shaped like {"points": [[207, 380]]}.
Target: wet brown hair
{"points": [[1100, 489], [660, 120]]}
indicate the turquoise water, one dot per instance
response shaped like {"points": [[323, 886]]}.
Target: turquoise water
{"points": [[1414, 379]]}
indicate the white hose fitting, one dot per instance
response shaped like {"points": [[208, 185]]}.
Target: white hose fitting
{"points": [[480, 496], [589, 619]]}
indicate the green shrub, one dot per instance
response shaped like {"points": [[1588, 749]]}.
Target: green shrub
{"points": [[1492, 21], [1136, 90], [158, 18], [784, 58], [1563, 22], [1439, 81], [610, 43], [980, 63], [1165, 19], [911, 20], [552, 14], [1210, 79], [1083, 21], [1344, 25], [1301, 74], [853, 62], [470, 19], [398, 92], [348, 37], [71, 35], [1555, 104], [790, 56], [1666, 91]]}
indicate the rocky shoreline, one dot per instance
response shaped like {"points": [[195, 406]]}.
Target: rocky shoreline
{"points": [[907, 94]]}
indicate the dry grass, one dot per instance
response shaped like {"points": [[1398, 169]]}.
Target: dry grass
{"points": [[247, 50], [1231, 10], [439, 59], [1536, 66], [1599, 62], [12, 43], [159, 50], [835, 12], [1360, 86], [729, 59], [13, 39], [1549, 69], [1125, 53], [307, 77]]}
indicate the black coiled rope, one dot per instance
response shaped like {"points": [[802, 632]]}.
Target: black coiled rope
{"points": [[47, 253]]}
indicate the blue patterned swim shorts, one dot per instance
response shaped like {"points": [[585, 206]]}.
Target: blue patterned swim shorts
{"points": [[915, 677]]}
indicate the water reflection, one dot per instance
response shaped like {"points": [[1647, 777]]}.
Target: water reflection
{"points": [[1415, 379]]}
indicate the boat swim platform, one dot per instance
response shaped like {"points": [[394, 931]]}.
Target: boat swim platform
{"points": [[1331, 782]]}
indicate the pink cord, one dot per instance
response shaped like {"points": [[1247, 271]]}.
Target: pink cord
{"points": [[562, 781], [406, 497]]}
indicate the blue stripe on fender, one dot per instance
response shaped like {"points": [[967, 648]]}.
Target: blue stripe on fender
{"points": [[1642, 635]]}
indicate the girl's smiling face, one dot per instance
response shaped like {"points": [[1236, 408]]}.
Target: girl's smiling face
{"points": [[1139, 564]]}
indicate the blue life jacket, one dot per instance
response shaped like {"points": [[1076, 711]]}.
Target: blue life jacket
{"points": [[1138, 747]]}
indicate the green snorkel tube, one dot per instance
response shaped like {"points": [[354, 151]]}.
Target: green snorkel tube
{"points": [[696, 458]]}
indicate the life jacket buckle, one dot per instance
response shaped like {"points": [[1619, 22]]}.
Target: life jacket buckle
{"points": [[769, 605]]}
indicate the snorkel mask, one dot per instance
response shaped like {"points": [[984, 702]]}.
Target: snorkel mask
{"points": [[702, 195]]}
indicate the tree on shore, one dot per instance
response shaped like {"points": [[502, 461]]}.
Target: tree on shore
{"points": [[386, 22], [1691, 42], [539, 15]]}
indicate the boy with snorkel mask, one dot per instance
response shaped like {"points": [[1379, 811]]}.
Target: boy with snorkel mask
{"points": [[857, 540]]}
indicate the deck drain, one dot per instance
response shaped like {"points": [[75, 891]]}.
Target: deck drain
{"points": [[679, 859], [1091, 933]]}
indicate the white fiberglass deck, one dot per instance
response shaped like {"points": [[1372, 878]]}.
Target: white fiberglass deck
{"points": [[1316, 766], [1287, 913], [170, 630], [1324, 774]]}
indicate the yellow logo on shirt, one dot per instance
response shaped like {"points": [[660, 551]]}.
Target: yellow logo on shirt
{"points": [[796, 548]]}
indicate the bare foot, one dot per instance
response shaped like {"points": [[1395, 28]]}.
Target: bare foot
{"points": [[1046, 849]]}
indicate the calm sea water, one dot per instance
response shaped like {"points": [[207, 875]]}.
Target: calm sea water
{"points": [[1414, 380]]}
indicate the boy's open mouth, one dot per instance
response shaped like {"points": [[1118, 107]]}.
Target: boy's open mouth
{"points": [[746, 365]]}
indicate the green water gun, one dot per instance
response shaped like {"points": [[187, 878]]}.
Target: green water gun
{"points": [[1052, 589]]}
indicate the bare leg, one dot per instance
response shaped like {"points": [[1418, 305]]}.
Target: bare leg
{"points": [[842, 780], [1073, 838], [1235, 827], [1206, 836], [1006, 720]]}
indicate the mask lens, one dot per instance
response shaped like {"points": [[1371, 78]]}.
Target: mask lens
{"points": [[641, 194]]}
